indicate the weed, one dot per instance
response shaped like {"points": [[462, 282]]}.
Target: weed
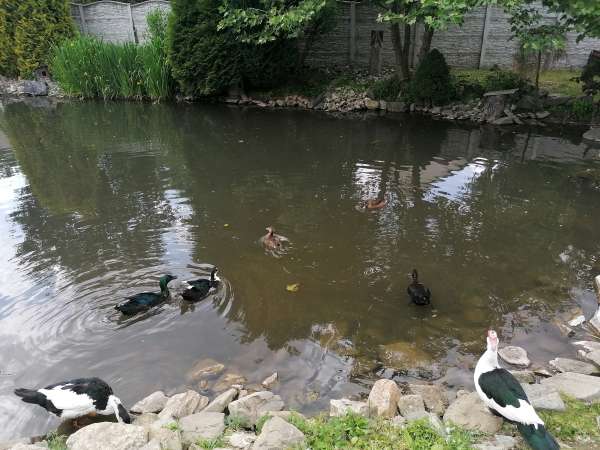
{"points": [[235, 423], [56, 441], [576, 424], [211, 443]]}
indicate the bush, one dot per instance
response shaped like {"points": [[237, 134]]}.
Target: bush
{"points": [[500, 80], [89, 68], [432, 82], [387, 89], [8, 16], [40, 25]]}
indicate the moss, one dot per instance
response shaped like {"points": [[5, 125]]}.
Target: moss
{"points": [[575, 425]]}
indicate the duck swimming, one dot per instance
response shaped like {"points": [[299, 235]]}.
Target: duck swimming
{"points": [[145, 300], [199, 289], [272, 241], [375, 203], [419, 294]]}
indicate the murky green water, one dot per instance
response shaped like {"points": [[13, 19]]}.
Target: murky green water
{"points": [[98, 200]]}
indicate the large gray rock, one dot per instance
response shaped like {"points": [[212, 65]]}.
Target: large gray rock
{"points": [[152, 445], [411, 407], [343, 406], [241, 439], [579, 386], [166, 438], [524, 376], [498, 442], [277, 434], [573, 365], [205, 368], [468, 411], [145, 420], [108, 436], [220, 403], [383, 398], [202, 425], [8, 445], [32, 88], [592, 135], [594, 357], [434, 397], [154, 403], [184, 404], [544, 397], [254, 406], [590, 346], [22, 446], [514, 355]]}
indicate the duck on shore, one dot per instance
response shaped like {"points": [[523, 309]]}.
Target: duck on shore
{"points": [[503, 394], [419, 294], [77, 398], [145, 300], [196, 290]]}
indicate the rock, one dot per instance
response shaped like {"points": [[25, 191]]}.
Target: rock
{"points": [[411, 407], [22, 446], [220, 403], [524, 376], [516, 356], [383, 105], [542, 115], [541, 372], [573, 365], [32, 88], [594, 357], [166, 438], [205, 368], [343, 406], [152, 445], [544, 397], [528, 103], [8, 445], [590, 346], [254, 406], [433, 396], [228, 380], [397, 107], [592, 135], [383, 398], [277, 434], [285, 415], [557, 100], [154, 403], [145, 420], [576, 321], [202, 425], [436, 424], [270, 381], [494, 104], [436, 110], [498, 442], [108, 436], [579, 386], [497, 93], [241, 439], [372, 104], [503, 121], [469, 412], [184, 404], [412, 107]]}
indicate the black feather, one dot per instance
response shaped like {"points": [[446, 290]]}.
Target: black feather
{"points": [[419, 294], [502, 387], [538, 437]]}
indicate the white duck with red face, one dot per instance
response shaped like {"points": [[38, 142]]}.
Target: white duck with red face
{"points": [[503, 393]]}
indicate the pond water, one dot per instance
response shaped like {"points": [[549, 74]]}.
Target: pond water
{"points": [[97, 200]]}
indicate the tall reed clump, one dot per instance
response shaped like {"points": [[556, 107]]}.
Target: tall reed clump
{"points": [[90, 68]]}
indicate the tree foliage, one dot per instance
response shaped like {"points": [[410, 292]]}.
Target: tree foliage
{"points": [[8, 15], [432, 82], [582, 16]]}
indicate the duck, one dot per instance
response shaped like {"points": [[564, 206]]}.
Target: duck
{"points": [[144, 300], [77, 398], [199, 289], [504, 395], [375, 203], [419, 294], [273, 241]]}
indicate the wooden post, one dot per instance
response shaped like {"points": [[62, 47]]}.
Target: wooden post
{"points": [[82, 18], [484, 35], [134, 37], [352, 32]]}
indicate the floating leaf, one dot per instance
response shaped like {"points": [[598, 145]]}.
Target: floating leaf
{"points": [[295, 287], [226, 225]]}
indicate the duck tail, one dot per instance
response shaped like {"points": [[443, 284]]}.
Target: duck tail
{"points": [[415, 276], [31, 396], [538, 437]]}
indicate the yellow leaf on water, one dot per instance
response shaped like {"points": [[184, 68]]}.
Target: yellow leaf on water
{"points": [[293, 287], [225, 225]]}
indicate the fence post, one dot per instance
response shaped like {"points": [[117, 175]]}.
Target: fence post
{"points": [[82, 17], [134, 37], [484, 35], [352, 32]]}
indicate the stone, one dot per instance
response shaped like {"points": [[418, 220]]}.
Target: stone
{"points": [[436, 110], [371, 104], [145, 419], [220, 403], [468, 411], [202, 425], [582, 387], [108, 436], [277, 434], [544, 397], [576, 321], [528, 103], [32, 88], [540, 372], [397, 107], [184, 404], [166, 438], [590, 346], [8, 445], [506, 120], [241, 439], [573, 365], [496, 93], [542, 115], [285, 415], [343, 406], [154, 403], [436, 424], [594, 357], [523, 376], [22, 446], [205, 368], [270, 381], [152, 445], [383, 105], [228, 380], [383, 398], [592, 135], [557, 100], [498, 442], [516, 356], [433, 395], [411, 407], [254, 406]]}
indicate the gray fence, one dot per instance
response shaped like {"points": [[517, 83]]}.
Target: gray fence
{"points": [[482, 41]]}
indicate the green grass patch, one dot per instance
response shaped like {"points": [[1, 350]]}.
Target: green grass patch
{"points": [[211, 443], [173, 426], [235, 423], [561, 82], [575, 425], [56, 441]]}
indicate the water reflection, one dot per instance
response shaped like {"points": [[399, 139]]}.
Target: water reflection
{"points": [[97, 200]]}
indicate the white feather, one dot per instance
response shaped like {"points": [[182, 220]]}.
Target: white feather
{"points": [[73, 404]]}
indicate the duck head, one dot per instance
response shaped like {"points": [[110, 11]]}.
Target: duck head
{"points": [[213, 274], [120, 411], [270, 231], [492, 341], [165, 280]]}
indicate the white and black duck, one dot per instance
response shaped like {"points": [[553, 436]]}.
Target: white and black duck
{"points": [[418, 293], [77, 398], [504, 395], [145, 300], [196, 290]]}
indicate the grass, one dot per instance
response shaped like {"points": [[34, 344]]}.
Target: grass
{"points": [[575, 425], [235, 423], [173, 426], [211, 443], [56, 441]]}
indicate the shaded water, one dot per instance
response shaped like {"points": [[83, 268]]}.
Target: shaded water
{"points": [[98, 200]]}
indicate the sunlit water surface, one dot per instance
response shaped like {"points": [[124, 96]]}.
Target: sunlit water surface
{"points": [[97, 200]]}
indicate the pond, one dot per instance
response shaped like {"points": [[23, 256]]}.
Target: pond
{"points": [[98, 200]]}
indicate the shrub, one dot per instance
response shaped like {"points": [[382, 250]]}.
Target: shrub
{"points": [[40, 25], [8, 16], [387, 89], [590, 76], [500, 80], [432, 81]]}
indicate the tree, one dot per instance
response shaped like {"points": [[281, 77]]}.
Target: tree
{"points": [[582, 16], [8, 16]]}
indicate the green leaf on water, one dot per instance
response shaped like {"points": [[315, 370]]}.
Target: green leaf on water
{"points": [[294, 287]]}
